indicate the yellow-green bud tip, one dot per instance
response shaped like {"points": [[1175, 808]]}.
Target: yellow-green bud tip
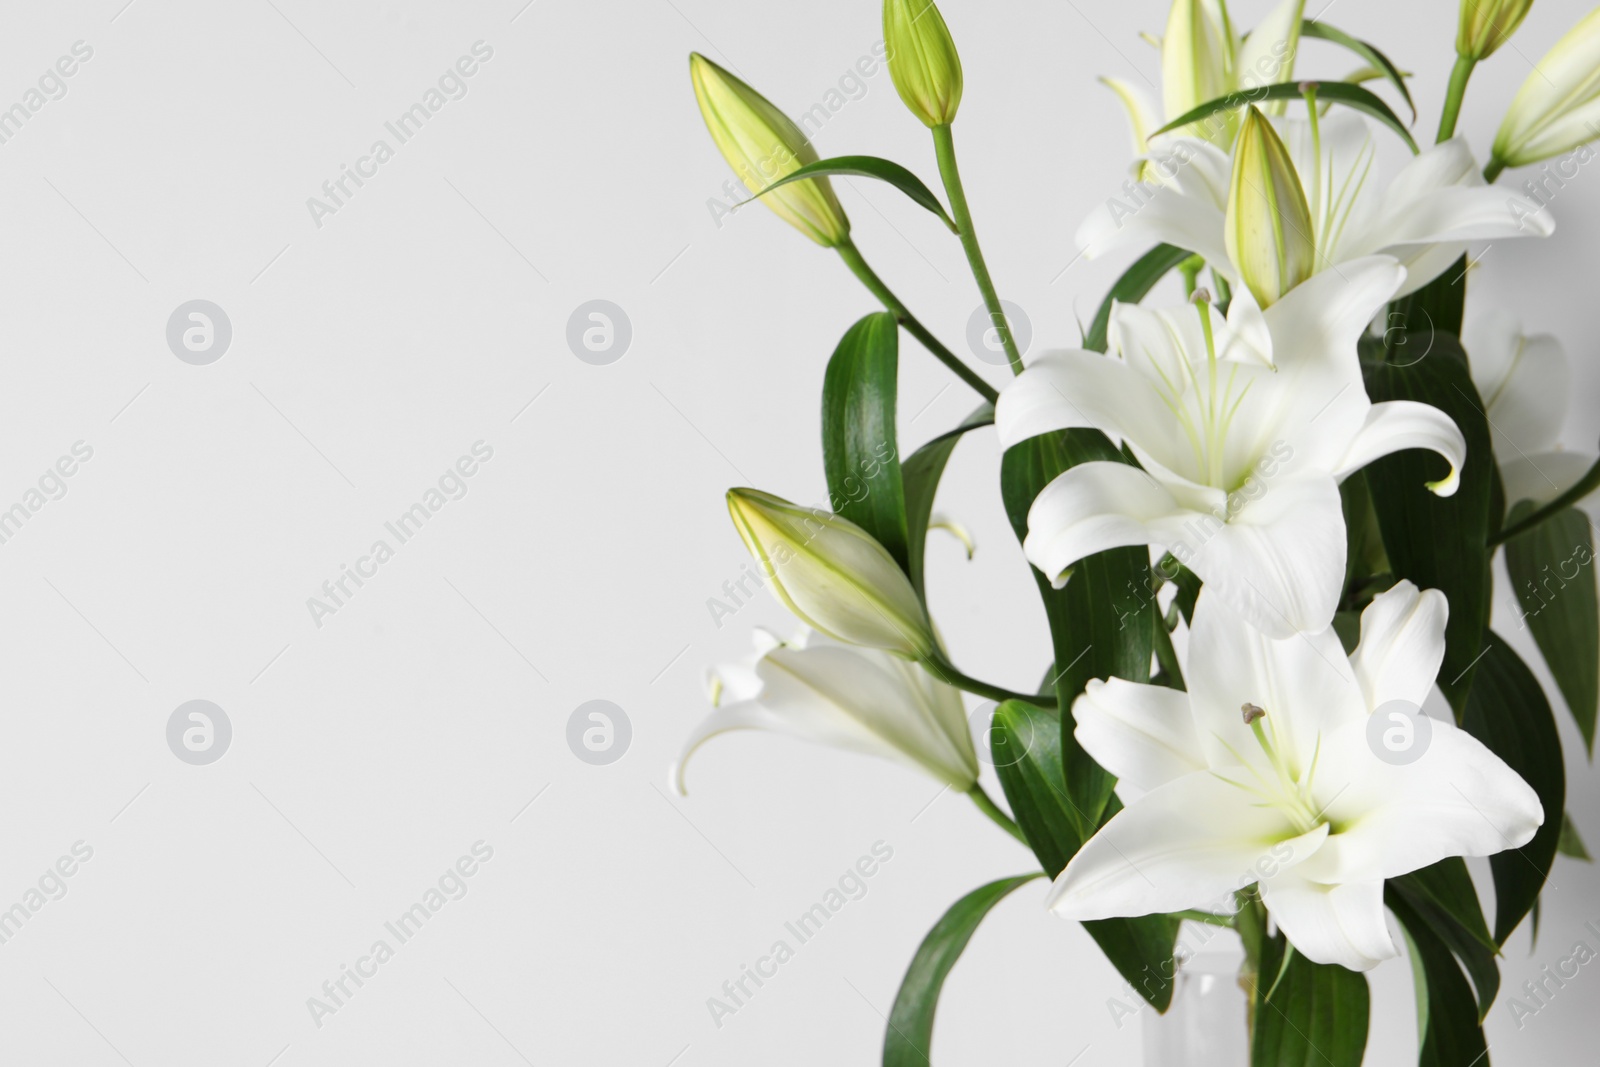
{"points": [[922, 60], [763, 145], [1269, 232], [1487, 24]]}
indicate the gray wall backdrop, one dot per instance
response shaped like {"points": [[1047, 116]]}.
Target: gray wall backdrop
{"points": [[420, 726]]}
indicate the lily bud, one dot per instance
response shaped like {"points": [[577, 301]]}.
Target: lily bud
{"points": [[1195, 54], [1488, 24], [1269, 233], [832, 574], [763, 145], [1558, 107], [922, 60]]}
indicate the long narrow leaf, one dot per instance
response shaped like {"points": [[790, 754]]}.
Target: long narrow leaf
{"points": [[1379, 61], [1508, 712], [1353, 96], [1135, 283], [869, 167], [1314, 1015], [1552, 572], [908, 1041]]}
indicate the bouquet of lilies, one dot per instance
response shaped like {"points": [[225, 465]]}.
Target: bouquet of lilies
{"points": [[1306, 466]]}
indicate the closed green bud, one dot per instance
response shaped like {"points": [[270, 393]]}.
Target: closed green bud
{"points": [[1196, 52], [1558, 107], [922, 60], [1488, 24], [832, 574], [763, 145], [1268, 231]]}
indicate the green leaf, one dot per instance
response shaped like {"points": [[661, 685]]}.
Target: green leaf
{"points": [[920, 476], [1444, 898], [1449, 1032], [1379, 61], [1417, 318], [1569, 843], [1100, 624], [859, 450], [868, 167], [1344, 93], [1439, 542], [909, 1039], [1314, 1016], [1508, 712], [1552, 571], [1134, 285], [1026, 744]]}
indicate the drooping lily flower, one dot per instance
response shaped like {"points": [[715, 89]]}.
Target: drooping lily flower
{"points": [[861, 699], [1524, 381], [1203, 58], [1424, 217], [1244, 428], [1263, 773]]}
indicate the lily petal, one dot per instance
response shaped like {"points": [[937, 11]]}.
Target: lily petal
{"points": [[1189, 843], [1524, 382], [1342, 924], [1186, 209], [1278, 561], [1303, 681], [1457, 799], [858, 699], [1402, 644], [1396, 425], [1543, 477], [1143, 734], [1090, 508]]}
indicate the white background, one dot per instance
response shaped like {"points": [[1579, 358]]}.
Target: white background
{"points": [[368, 354]]}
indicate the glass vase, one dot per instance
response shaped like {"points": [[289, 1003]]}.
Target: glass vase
{"points": [[1207, 1024]]}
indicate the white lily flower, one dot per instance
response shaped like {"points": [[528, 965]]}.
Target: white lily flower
{"points": [[1525, 383], [860, 699], [1244, 428], [1424, 217], [1297, 800], [1204, 58]]}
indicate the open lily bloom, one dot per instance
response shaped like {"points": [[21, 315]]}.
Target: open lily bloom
{"points": [[861, 699], [1524, 382], [1243, 427], [1263, 773], [1424, 217]]}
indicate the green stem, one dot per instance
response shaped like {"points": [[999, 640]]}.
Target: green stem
{"points": [[989, 808], [1166, 656], [869, 277], [1190, 269], [1492, 169], [1586, 485], [946, 672], [945, 147], [1204, 917], [1452, 101]]}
